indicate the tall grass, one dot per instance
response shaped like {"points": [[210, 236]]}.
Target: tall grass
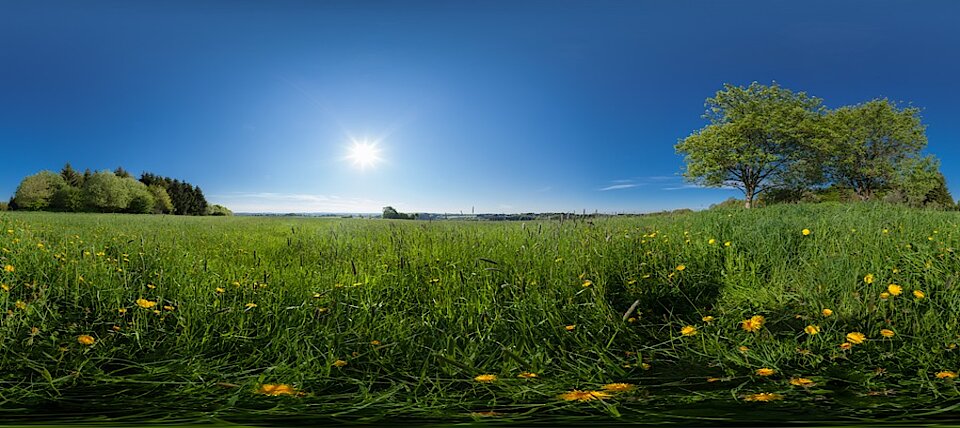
{"points": [[416, 310]]}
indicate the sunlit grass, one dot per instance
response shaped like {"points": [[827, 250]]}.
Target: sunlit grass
{"points": [[379, 320]]}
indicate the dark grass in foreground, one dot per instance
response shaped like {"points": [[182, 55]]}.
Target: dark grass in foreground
{"points": [[127, 319]]}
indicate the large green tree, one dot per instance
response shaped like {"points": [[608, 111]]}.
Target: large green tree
{"points": [[36, 191], [871, 141], [105, 192], [758, 137]]}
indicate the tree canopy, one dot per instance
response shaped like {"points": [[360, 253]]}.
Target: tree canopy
{"points": [[757, 137], [787, 145], [870, 141], [110, 191]]}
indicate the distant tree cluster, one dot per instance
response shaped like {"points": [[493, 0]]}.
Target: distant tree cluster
{"points": [[784, 146], [110, 192], [392, 213], [185, 198]]}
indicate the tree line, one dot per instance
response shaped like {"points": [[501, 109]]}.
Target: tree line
{"points": [[110, 192], [777, 145]]}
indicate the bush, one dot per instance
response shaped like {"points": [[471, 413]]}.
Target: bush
{"points": [[141, 199], [36, 191], [162, 204], [67, 199], [105, 192], [218, 210]]}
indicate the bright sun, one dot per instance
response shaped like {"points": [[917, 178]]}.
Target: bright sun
{"points": [[364, 154]]}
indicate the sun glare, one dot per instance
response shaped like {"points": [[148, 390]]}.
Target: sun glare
{"points": [[364, 154]]}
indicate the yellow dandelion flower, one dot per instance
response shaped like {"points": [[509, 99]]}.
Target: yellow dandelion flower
{"points": [[375, 342], [5, 287], [9, 268], [339, 363], [887, 333], [485, 378], [712, 241], [755, 323], [632, 320], [86, 339], [20, 305], [122, 311], [570, 327], [250, 305], [681, 268], [743, 348], [802, 381], [707, 318], [946, 375], [168, 308], [805, 232], [765, 371], [277, 389], [587, 283], [846, 346], [727, 244], [884, 295], [578, 395], [146, 304], [894, 289], [868, 278], [812, 329], [918, 294], [826, 312], [220, 290], [763, 396], [618, 387], [527, 375], [688, 330], [856, 337]]}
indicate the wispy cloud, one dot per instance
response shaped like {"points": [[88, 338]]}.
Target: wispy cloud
{"points": [[270, 202], [619, 187], [697, 186]]}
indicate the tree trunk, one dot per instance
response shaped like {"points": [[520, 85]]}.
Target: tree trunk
{"points": [[748, 196]]}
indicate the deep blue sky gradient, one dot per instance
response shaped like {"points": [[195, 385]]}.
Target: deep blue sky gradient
{"points": [[500, 106]]}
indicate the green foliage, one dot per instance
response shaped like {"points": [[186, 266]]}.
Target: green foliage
{"points": [[162, 202], [36, 191], [391, 213], [870, 142], [915, 178], [105, 192], [218, 210], [185, 198], [67, 199], [71, 176], [758, 137], [122, 173], [141, 199]]}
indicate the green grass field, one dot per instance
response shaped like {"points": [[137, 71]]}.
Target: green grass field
{"points": [[126, 318]]}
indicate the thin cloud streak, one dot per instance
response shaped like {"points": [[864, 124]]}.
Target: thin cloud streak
{"points": [[271, 202], [618, 187]]}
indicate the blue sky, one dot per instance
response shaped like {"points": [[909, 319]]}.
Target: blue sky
{"points": [[494, 106]]}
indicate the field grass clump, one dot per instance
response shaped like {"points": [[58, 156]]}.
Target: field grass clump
{"points": [[364, 320]]}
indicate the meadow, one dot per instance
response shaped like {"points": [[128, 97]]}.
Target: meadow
{"points": [[839, 313]]}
